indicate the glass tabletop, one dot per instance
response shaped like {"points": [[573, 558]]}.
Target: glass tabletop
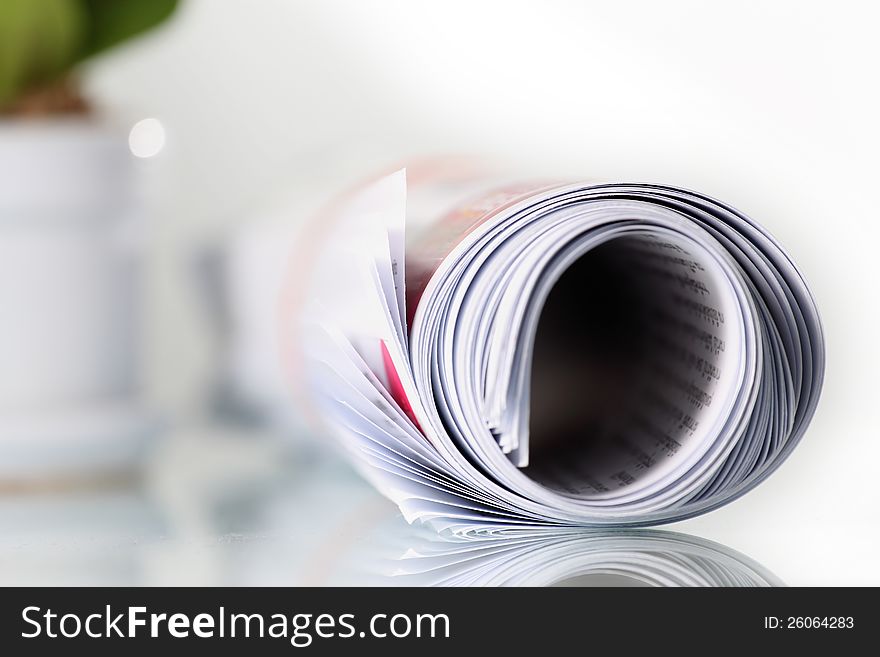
{"points": [[214, 506]]}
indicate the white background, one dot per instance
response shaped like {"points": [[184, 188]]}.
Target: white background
{"points": [[771, 106]]}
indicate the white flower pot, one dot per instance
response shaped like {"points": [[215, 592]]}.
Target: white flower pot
{"points": [[68, 297]]}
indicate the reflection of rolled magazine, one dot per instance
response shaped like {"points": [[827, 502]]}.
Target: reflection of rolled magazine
{"points": [[577, 557], [589, 354]]}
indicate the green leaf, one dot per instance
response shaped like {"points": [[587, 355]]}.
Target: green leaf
{"points": [[39, 40], [113, 21]]}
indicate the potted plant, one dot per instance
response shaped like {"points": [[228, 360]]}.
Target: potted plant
{"points": [[67, 271]]}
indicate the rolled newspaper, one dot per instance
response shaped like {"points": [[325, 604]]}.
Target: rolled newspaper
{"points": [[553, 353]]}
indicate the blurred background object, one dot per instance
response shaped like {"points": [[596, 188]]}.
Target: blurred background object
{"points": [[241, 281], [69, 248], [167, 196], [42, 42]]}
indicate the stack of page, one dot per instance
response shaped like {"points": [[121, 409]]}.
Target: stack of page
{"points": [[553, 353]]}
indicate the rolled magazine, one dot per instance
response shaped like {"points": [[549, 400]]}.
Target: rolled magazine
{"points": [[553, 353]]}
